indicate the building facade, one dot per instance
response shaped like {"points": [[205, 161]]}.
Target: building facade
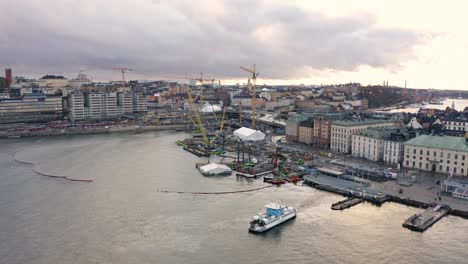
{"points": [[342, 131], [322, 132], [305, 134], [104, 105], [381, 144], [53, 81], [439, 154], [292, 127], [31, 108], [456, 124]]}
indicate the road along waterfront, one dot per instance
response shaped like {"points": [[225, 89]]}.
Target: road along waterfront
{"points": [[122, 218]]}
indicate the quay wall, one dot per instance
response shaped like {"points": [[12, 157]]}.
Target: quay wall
{"points": [[78, 131]]}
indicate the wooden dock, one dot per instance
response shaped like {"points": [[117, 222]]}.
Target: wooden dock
{"points": [[341, 205], [421, 222]]}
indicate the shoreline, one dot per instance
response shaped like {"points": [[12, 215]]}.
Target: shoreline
{"points": [[76, 131]]}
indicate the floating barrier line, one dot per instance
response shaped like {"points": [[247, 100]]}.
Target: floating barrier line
{"points": [[13, 155], [227, 192]]}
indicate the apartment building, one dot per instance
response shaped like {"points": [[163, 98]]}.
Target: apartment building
{"points": [[381, 144], [139, 103], [305, 133], [322, 132], [342, 131], [292, 127], [76, 106], [104, 105]]}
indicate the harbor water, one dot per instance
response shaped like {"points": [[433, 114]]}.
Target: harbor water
{"points": [[124, 216]]}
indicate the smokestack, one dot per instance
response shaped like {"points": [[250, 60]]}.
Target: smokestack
{"points": [[405, 83]]}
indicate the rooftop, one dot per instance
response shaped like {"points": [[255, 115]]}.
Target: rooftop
{"points": [[440, 142], [358, 122]]}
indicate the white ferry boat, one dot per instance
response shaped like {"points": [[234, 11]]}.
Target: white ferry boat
{"points": [[275, 215]]}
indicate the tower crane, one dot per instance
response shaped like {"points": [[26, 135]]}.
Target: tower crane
{"points": [[123, 70], [202, 80], [254, 93]]}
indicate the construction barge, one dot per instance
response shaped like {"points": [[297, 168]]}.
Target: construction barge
{"points": [[341, 205], [421, 222]]}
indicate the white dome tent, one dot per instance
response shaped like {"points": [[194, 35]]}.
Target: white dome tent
{"points": [[247, 134]]}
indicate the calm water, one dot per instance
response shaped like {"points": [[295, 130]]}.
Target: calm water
{"points": [[122, 218], [460, 105]]}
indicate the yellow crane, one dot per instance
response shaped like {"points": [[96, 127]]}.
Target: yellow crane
{"points": [[202, 80], [254, 93], [197, 118]]}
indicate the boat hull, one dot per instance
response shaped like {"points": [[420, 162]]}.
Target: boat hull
{"points": [[283, 219]]}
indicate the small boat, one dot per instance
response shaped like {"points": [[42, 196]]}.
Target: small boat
{"points": [[268, 178], [277, 181], [275, 214]]}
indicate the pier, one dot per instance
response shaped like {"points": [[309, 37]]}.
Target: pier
{"points": [[346, 188], [421, 222], [358, 192]]}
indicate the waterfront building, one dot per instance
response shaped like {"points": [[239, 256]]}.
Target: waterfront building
{"points": [[292, 127], [76, 107], [106, 105], [305, 133], [441, 154], [381, 144], [394, 147], [125, 102], [322, 132], [31, 108], [342, 130], [139, 103]]}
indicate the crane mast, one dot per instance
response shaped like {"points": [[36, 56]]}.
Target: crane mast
{"points": [[254, 93]]}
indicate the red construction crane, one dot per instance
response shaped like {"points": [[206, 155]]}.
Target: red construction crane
{"points": [[254, 93]]}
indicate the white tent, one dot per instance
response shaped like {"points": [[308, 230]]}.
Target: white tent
{"points": [[248, 134], [215, 169], [208, 108]]}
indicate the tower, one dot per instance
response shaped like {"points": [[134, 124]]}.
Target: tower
{"points": [[8, 76]]}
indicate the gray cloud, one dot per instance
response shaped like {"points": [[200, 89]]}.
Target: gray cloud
{"points": [[162, 38]]}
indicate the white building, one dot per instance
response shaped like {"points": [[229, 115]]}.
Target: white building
{"points": [[79, 81], [53, 81], [104, 105], [125, 102], [441, 154], [456, 124], [342, 130], [139, 103], [414, 123], [76, 106], [368, 144]]}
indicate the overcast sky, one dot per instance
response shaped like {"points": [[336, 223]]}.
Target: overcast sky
{"points": [[310, 42]]}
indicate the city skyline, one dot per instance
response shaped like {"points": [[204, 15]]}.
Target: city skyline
{"points": [[294, 43]]}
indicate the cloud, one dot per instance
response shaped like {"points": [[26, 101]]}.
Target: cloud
{"points": [[172, 38]]}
